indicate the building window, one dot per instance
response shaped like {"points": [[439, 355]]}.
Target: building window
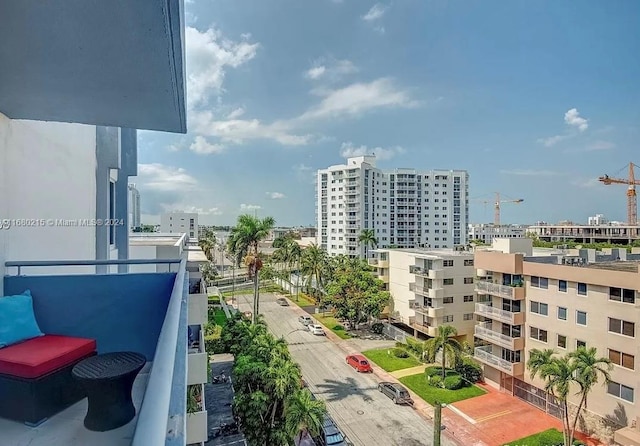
{"points": [[580, 343], [581, 318], [468, 298], [468, 262], [620, 391], [112, 212], [622, 327], [539, 308], [622, 359], [622, 295], [582, 289], [538, 334], [448, 318], [448, 281], [539, 282], [448, 300], [562, 286], [562, 341], [468, 280], [468, 316], [447, 263], [562, 313]]}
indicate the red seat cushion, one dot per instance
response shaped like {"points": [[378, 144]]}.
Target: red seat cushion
{"points": [[44, 354]]}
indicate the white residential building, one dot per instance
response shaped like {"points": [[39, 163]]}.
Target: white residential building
{"points": [[429, 288], [180, 222], [134, 207], [487, 232], [406, 208], [597, 220]]}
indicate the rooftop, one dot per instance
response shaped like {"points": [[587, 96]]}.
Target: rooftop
{"points": [[156, 239], [428, 252]]}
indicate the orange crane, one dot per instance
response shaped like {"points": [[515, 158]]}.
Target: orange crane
{"points": [[496, 207], [632, 202]]}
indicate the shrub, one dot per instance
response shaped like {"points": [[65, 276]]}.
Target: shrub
{"points": [[432, 371], [400, 345], [435, 381], [453, 382], [415, 346], [338, 327], [400, 353], [377, 327], [469, 369]]}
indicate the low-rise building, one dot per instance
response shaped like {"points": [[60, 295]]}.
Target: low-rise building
{"points": [[429, 288], [590, 233], [486, 232], [561, 299], [180, 222]]}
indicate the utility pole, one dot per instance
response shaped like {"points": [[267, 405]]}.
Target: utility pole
{"points": [[437, 423]]}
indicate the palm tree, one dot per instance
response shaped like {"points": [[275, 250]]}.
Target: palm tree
{"points": [[581, 367], [243, 243], [207, 242], [304, 414], [368, 238], [314, 265], [443, 342], [295, 256]]}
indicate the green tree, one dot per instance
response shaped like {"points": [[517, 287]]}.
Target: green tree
{"points": [[209, 272], [354, 293], [304, 414], [314, 268], [368, 239], [206, 242], [445, 343], [582, 368], [243, 243]]}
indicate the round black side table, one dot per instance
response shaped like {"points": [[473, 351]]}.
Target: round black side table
{"points": [[108, 380]]}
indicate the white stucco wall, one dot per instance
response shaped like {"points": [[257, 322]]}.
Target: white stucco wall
{"points": [[142, 252], [48, 171]]}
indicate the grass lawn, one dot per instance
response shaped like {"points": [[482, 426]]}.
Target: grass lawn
{"points": [[303, 300], [418, 384], [219, 318], [544, 438], [388, 361], [332, 324]]}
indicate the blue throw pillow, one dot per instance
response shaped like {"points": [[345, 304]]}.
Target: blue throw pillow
{"points": [[17, 321]]}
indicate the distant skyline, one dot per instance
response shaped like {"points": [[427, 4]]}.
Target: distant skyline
{"points": [[534, 99]]}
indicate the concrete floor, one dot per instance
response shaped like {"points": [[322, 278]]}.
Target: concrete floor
{"points": [[365, 415], [67, 428]]}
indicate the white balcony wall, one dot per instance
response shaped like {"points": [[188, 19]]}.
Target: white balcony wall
{"points": [[47, 171]]}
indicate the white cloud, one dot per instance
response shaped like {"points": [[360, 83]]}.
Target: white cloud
{"points": [[249, 207], [348, 150], [573, 118], [305, 173], [553, 140], [330, 69], [586, 183], [600, 145], [376, 12], [530, 172], [358, 98], [208, 55], [237, 131], [202, 146], [159, 177], [276, 195], [199, 211], [236, 113]]}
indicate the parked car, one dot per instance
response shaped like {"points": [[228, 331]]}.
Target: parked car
{"points": [[282, 301], [330, 435], [305, 320], [316, 329], [359, 363], [396, 392]]}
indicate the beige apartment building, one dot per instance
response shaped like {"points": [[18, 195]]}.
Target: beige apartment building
{"points": [[429, 288], [562, 300]]}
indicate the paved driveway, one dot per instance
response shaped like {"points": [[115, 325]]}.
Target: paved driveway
{"points": [[366, 416]]}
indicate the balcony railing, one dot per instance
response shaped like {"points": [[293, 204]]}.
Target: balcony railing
{"points": [[484, 331], [499, 314], [504, 291], [122, 311], [485, 355]]}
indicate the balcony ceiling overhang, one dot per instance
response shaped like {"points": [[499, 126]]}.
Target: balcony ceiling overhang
{"points": [[113, 63]]}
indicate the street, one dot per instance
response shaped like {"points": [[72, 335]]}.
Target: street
{"points": [[365, 415]]}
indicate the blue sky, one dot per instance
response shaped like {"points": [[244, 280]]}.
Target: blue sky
{"points": [[534, 99]]}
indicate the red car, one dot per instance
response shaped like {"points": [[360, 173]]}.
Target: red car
{"points": [[359, 363]]}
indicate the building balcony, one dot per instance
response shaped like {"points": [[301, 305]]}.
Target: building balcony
{"points": [[123, 311], [427, 273], [426, 329], [432, 312], [504, 291], [484, 331], [383, 274], [485, 355], [499, 314]]}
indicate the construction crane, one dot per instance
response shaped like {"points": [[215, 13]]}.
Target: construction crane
{"points": [[632, 202], [496, 206]]}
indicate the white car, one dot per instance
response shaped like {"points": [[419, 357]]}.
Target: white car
{"points": [[316, 329]]}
